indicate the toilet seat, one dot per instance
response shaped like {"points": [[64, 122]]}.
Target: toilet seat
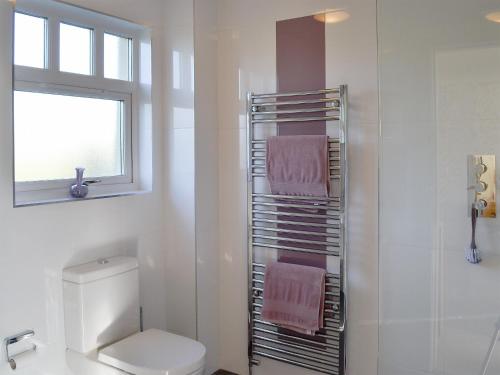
{"points": [[155, 352]]}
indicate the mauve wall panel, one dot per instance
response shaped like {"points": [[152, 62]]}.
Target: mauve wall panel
{"points": [[301, 66]]}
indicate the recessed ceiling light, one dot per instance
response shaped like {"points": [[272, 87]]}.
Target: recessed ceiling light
{"points": [[334, 16], [493, 16]]}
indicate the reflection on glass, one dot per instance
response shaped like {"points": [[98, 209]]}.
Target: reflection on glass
{"points": [[192, 73], [117, 57], [29, 40], [332, 16], [493, 17], [176, 69], [55, 133], [145, 65], [75, 49]]}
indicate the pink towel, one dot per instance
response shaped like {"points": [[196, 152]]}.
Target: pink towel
{"points": [[294, 296], [298, 165]]}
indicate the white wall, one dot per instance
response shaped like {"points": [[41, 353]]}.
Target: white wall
{"points": [[246, 62]]}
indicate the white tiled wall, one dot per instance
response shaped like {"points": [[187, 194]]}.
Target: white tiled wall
{"points": [[206, 157], [179, 154]]}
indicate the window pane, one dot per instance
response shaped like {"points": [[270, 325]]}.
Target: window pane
{"points": [[56, 133], [117, 57], [75, 49], [29, 41]]}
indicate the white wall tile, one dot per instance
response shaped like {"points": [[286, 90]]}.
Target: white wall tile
{"points": [[179, 154], [207, 179]]}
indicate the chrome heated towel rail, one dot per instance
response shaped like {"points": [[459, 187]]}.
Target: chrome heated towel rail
{"points": [[310, 226]]}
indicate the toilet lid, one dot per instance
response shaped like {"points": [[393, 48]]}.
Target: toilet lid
{"points": [[155, 352]]}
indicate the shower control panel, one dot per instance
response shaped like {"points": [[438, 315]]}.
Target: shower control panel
{"points": [[482, 184]]}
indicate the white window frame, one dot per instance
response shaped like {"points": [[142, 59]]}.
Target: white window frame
{"points": [[52, 81]]}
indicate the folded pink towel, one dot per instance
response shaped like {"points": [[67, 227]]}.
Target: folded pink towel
{"points": [[294, 296], [298, 165]]}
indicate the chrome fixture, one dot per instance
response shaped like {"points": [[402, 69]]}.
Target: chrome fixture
{"points": [[277, 222], [482, 184], [15, 339], [472, 252], [481, 197]]}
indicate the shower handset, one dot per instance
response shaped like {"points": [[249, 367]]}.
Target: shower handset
{"points": [[472, 252]]}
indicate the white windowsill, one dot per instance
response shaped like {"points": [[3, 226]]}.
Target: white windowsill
{"points": [[87, 198]]}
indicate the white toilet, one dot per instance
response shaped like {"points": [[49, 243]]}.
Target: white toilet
{"points": [[101, 314]]}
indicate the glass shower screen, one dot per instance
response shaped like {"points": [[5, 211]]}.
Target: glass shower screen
{"points": [[440, 102]]}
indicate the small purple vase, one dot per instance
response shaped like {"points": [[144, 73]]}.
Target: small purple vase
{"points": [[80, 189]]}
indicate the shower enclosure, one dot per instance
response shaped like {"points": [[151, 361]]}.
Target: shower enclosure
{"points": [[439, 64]]}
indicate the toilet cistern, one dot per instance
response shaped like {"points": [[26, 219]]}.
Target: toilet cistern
{"points": [[102, 321]]}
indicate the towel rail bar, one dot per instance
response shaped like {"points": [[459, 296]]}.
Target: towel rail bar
{"points": [[296, 338], [296, 119], [324, 330], [296, 240], [295, 346], [332, 168], [297, 249], [324, 334], [335, 294], [296, 111], [297, 214], [332, 371], [328, 275], [330, 311], [257, 105], [326, 284], [298, 205], [298, 355], [263, 141], [335, 322], [291, 350], [263, 158], [312, 225], [332, 177], [280, 230], [296, 93], [297, 197], [335, 147]]}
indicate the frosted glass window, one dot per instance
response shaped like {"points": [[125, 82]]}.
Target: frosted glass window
{"points": [[56, 133], [29, 40], [75, 49], [117, 57]]}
